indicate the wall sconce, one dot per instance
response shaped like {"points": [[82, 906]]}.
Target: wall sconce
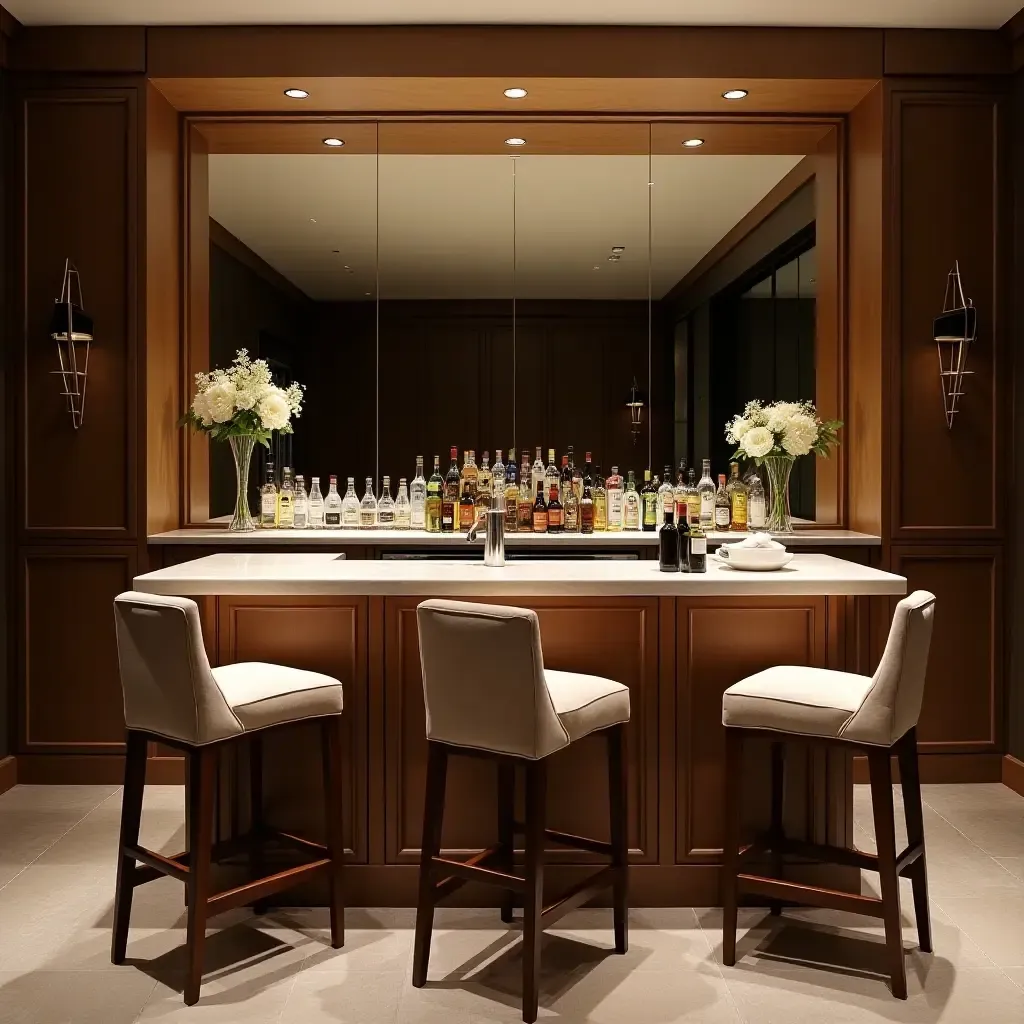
{"points": [[71, 328], [635, 403], [954, 332]]}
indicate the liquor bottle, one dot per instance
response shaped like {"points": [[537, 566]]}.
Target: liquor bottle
{"points": [[556, 513], [450, 495], [511, 497], [316, 506], [666, 496], [692, 497], [576, 475], [631, 504], [467, 502], [435, 485], [600, 502], [737, 491], [418, 498], [697, 548], [540, 511], [680, 492], [615, 498], [332, 505], [552, 478], [706, 491], [286, 501], [485, 484], [525, 503], [536, 474], [588, 474], [385, 507], [649, 497], [683, 528], [349, 505], [722, 517], [301, 504], [757, 507], [565, 479], [587, 508], [571, 509], [268, 501], [368, 508], [403, 508], [498, 484], [668, 545], [470, 477]]}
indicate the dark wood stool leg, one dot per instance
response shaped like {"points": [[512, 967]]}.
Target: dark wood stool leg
{"points": [[433, 813], [506, 829], [201, 783], [910, 779], [131, 816], [885, 839], [256, 823], [620, 842], [731, 841], [533, 898], [331, 739], [777, 835]]}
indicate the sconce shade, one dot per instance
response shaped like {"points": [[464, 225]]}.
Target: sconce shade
{"points": [[957, 325], [71, 328], [81, 323], [635, 402], [954, 331]]}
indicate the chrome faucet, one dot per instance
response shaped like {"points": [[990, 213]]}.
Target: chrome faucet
{"points": [[494, 539]]}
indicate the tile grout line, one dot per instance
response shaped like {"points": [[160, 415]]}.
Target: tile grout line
{"points": [[719, 967], [980, 849]]}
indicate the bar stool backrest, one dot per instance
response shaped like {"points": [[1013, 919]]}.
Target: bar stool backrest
{"points": [[893, 704], [483, 679], [166, 680]]}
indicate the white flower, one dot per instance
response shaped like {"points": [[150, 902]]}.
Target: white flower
{"points": [[220, 400], [800, 434], [245, 399], [201, 408], [274, 410], [735, 430], [758, 442], [780, 414]]}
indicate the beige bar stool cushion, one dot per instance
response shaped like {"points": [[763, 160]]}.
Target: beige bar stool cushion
{"points": [[170, 689], [874, 710], [485, 685]]}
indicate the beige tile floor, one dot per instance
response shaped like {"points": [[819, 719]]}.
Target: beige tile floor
{"points": [[56, 881]]}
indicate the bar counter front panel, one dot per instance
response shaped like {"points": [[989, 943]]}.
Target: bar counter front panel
{"points": [[676, 654]]}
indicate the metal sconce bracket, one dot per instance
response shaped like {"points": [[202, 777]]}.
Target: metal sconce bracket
{"points": [[955, 330], [72, 329], [635, 403]]}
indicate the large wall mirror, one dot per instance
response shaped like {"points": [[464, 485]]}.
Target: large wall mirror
{"points": [[500, 285]]}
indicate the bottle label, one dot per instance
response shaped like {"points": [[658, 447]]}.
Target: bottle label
{"points": [[467, 514], [757, 513], [385, 517], [554, 518], [540, 522], [698, 545], [448, 515], [418, 515], [332, 518], [615, 505], [268, 504], [722, 516], [707, 505]]}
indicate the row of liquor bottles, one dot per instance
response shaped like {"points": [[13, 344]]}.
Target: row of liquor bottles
{"points": [[536, 498]]}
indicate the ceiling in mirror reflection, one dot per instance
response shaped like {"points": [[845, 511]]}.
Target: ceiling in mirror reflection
{"points": [[447, 229]]}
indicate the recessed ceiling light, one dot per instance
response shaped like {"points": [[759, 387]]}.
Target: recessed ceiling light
{"points": [[618, 248], [734, 94], [334, 142], [515, 93], [693, 143], [515, 142], [312, 220], [296, 94]]}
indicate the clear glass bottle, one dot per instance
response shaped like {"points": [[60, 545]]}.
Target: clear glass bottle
{"points": [[631, 504], [571, 510], [286, 500], [692, 497], [757, 506], [526, 492], [301, 503], [576, 475], [616, 501], [587, 507], [418, 498], [600, 502], [738, 492], [484, 485], [551, 474], [679, 496], [498, 481], [332, 506], [268, 500], [668, 545], [350, 506], [403, 507], [316, 506], [368, 508], [722, 515], [666, 495], [435, 486], [706, 492], [536, 474], [649, 498], [385, 507], [450, 495], [470, 476]]}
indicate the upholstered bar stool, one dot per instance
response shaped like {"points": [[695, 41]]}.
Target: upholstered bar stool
{"points": [[510, 709], [876, 714], [172, 695]]}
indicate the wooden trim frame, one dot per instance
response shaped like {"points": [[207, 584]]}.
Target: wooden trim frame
{"points": [[1013, 773], [8, 773]]}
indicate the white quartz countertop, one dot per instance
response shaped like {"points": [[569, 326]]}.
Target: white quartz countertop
{"points": [[218, 535], [285, 574]]}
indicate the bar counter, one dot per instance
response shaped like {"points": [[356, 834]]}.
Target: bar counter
{"points": [[676, 640]]}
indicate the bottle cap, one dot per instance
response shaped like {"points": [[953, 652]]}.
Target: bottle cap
{"points": [[647, 474], [565, 460], [721, 478], [588, 456], [454, 453]]}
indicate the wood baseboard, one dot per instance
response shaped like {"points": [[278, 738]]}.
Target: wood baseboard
{"points": [[94, 770], [1013, 773], [8, 773], [945, 768]]}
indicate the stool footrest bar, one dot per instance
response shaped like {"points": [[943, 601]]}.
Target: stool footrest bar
{"points": [[585, 889], [251, 891], [809, 895]]}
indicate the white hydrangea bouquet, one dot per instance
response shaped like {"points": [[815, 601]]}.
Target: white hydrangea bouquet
{"points": [[244, 406], [775, 436]]}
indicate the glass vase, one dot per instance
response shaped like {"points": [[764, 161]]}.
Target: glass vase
{"points": [[241, 449], [779, 518]]}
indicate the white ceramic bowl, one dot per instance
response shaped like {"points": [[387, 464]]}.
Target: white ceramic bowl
{"points": [[753, 559]]}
